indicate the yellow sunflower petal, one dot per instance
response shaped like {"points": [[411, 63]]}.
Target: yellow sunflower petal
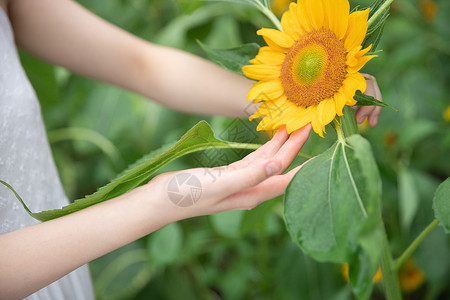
{"points": [[317, 126], [270, 108], [364, 51], [340, 100], [261, 72], [356, 81], [315, 10], [277, 37], [357, 28], [268, 56], [290, 24], [276, 114], [326, 111], [302, 16], [354, 51], [356, 65], [303, 116], [336, 16], [265, 91], [353, 82]]}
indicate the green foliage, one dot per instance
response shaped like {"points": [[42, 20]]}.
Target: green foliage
{"points": [[375, 30], [257, 259], [408, 197], [341, 182], [441, 204], [122, 273], [165, 245], [232, 59], [200, 137], [365, 100]]}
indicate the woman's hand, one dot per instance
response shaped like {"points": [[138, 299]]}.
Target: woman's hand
{"points": [[370, 112], [241, 185]]}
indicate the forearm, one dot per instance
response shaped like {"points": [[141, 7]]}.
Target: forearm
{"points": [[192, 84], [64, 33], [33, 257]]}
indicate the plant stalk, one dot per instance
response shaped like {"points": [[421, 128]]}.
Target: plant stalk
{"points": [[390, 277], [348, 122], [379, 11], [409, 251], [339, 131], [270, 15]]}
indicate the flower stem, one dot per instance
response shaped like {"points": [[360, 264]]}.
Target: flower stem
{"points": [[270, 15], [339, 131], [390, 277], [348, 122], [407, 253], [379, 11]]}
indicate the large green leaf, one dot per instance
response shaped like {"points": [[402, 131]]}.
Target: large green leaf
{"points": [[232, 59], [200, 137], [331, 201], [441, 204]]}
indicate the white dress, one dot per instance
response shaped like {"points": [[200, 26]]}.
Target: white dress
{"points": [[26, 163]]}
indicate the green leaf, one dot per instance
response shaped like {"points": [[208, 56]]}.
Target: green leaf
{"points": [[374, 37], [332, 202], [189, 6], [408, 197], [365, 263], [232, 59], [122, 273], [228, 223], [365, 100], [375, 31], [165, 245], [200, 137], [441, 204]]}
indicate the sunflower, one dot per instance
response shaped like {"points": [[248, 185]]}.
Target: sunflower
{"points": [[308, 72]]}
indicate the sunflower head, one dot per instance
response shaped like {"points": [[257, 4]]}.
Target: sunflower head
{"points": [[308, 72]]}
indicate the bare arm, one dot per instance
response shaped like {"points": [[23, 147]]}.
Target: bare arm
{"points": [[66, 34], [33, 257]]}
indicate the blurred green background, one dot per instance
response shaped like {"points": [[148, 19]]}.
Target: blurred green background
{"points": [[96, 130]]}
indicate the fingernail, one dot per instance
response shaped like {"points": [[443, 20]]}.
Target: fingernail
{"points": [[272, 168]]}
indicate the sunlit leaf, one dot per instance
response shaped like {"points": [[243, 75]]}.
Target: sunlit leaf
{"points": [[341, 182]]}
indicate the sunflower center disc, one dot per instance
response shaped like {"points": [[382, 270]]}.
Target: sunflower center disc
{"points": [[314, 68], [310, 66]]}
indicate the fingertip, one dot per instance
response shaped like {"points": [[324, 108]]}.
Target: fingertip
{"points": [[360, 117], [373, 121], [305, 130]]}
